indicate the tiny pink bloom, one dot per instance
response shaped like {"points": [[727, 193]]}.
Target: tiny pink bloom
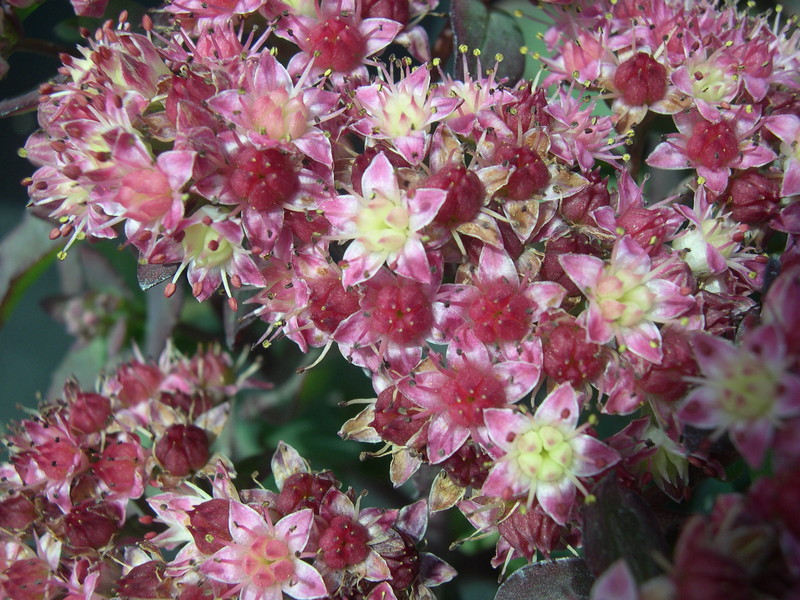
{"points": [[746, 391], [270, 109], [337, 41], [403, 112], [384, 224], [457, 395], [263, 560], [543, 456], [626, 298], [714, 147]]}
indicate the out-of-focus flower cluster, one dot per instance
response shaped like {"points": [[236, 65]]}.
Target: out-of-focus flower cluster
{"points": [[75, 485], [481, 249]]}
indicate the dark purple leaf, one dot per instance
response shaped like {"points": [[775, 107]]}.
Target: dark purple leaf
{"points": [[151, 275], [559, 579], [620, 524]]}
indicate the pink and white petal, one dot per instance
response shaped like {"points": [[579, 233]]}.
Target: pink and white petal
{"points": [[756, 156], [306, 583], [500, 422], [644, 341], [496, 265], [629, 255], [595, 456], [334, 502], [177, 165], [701, 408], [519, 378], [375, 567], [598, 330], [669, 301], [466, 351], [294, 529], [353, 331], [752, 439], [668, 156], [560, 407], [423, 207], [317, 146], [716, 180], [378, 33], [412, 147], [545, 295], [557, 499], [713, 354], [245, 523], [616, 583], [382, 592], [411, 261], [504, 481], [791, 178], [444, 438], [273, 592], [583, 269], [361, 264], [224, 565], [766, 342], [413, 520], [379, 179]]}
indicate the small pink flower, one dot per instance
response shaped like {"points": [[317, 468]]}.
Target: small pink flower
{"points": [[746, 391], [626, 298], [263, 560], [713, 147], [456, 396], [403, 112], [544, 455], [384, 224]]}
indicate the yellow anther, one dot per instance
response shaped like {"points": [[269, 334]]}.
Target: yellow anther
{"points": [[463, 48], [476, 52], [499, 57], [523, 49], [61, 255]]}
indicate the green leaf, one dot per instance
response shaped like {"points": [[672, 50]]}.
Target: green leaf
{"points": [[24, 254], [83, 363], [493, 31]]}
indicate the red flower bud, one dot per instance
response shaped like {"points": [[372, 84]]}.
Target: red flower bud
{"points": [[183, 449]]}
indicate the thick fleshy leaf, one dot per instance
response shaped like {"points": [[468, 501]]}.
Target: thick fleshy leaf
{"points": [[492, 31], [24, 254], [619, 524], [558, 579]]}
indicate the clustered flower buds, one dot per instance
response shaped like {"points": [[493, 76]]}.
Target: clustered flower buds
{"points": [[481, 248]]}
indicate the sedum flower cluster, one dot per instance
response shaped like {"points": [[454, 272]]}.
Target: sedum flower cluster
{"points": [[481, 248]]}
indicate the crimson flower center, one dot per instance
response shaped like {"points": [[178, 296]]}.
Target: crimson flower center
{"points": [[712, 145], [500, 313], [641, 80], [469, 393], [340, 45]]}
